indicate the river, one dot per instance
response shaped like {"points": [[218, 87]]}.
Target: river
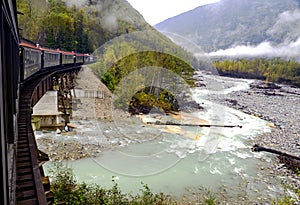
{"points": [[180, 160]]}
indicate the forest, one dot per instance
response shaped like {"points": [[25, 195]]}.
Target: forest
{"points": [[269, 69], [52, 24], [82, 29]]}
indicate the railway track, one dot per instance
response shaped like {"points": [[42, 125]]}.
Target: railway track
{"points": [[32, 186], [29, 173]]}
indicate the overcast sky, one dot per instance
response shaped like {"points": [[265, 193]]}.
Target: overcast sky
{"points": [[155, 11]]}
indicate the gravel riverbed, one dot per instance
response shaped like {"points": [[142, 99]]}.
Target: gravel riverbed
{"points": [[278, 105]]}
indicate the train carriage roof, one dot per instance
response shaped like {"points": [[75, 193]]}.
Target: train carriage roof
{"points": [[29, 45]]}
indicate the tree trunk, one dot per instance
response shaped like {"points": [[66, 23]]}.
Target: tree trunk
{"points": [[291, 161]]}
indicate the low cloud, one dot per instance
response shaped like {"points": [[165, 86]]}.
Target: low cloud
{"points": [[110, 22], [288, 50], [284, 41]]}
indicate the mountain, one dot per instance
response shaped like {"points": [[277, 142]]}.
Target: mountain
{"points": [[232, 23]]}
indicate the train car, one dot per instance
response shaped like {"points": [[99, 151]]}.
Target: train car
{"points": [[9, 75], [50, 58], [68, 58], [35, 58], [79, 60], [31, 60], [88, 59]]}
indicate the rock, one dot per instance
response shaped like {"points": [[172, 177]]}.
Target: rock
{"points": [[272, 125], [264, 85], [232, 101], [200, 84], [58, 131], [191, 106]]}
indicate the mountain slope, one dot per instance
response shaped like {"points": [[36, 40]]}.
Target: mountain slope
{"points": [[237, 22]]}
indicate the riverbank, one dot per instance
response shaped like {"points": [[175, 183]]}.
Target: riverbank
{"points": [[279, 105]]}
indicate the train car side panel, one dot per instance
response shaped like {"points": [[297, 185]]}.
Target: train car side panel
{"points": [[68, 58], [32, 61], [79, 59], [51, 59]]}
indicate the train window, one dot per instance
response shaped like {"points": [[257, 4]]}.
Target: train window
{"points": [[51, 59], [32, 61], [67, 58]]}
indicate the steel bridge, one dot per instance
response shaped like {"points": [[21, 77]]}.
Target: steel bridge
{"points": [[22, 178]]}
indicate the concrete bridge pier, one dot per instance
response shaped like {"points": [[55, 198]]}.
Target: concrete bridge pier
{"points": [[54, 109]]}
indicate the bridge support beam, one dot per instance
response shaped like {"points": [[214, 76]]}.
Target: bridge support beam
{"points": [[55, 107], [64, 84]]}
